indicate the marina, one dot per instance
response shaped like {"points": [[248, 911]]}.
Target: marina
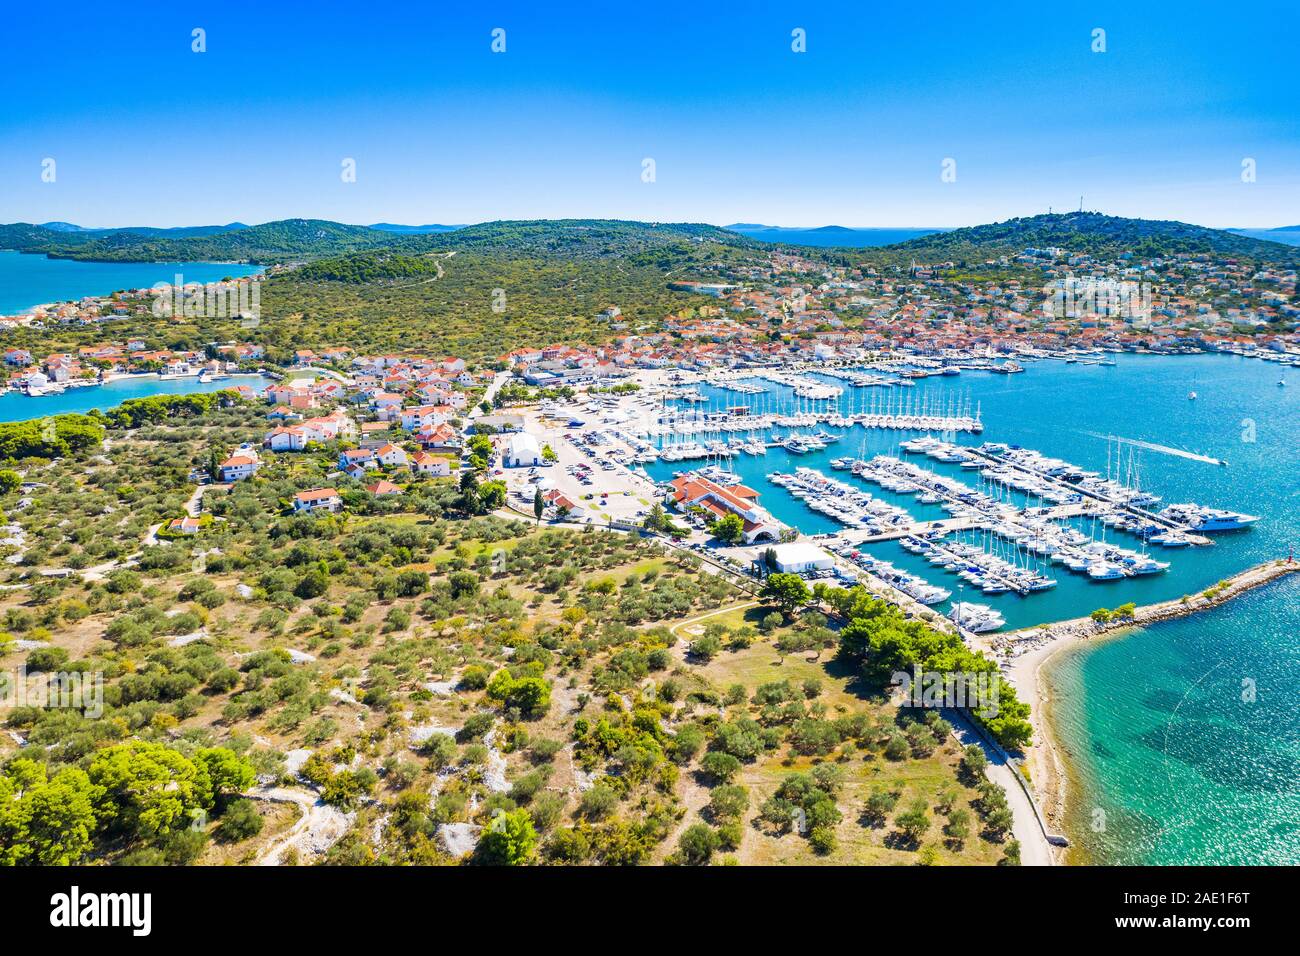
{"points": [[1170, 774], [1087, 514], [1003, 519]]}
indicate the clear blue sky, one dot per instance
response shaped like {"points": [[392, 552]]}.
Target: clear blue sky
{"points": [[854, 131]]}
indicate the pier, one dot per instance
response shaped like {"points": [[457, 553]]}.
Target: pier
{"points": [[859, 536], [1072, 488], [1212, 597], [1030, 530]]}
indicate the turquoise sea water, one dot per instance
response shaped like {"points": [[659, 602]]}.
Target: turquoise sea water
{"points": [[15, 407], [1182, 739], [1139, 750], [28, 280]]}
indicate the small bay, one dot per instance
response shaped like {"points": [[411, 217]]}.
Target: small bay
{"points": [[29, 280]]}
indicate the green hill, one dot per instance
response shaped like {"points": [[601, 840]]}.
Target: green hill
{"points": [[269, 242], [668, 245], [296, 239], [586, 238], [1093, 233]]}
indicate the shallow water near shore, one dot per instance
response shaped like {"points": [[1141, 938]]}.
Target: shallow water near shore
{"points": [[1161, 741], [1181, 739]]}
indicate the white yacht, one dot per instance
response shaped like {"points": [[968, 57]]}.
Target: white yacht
{"points": [[1145, 565], [1200, 518], [978, 618], [919, 446], [1104, 571]]}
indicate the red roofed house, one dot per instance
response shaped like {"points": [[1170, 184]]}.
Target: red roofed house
{"points": [[240, 465], [320, 499], [392, 456], [424, 416], [696, 490], [562, 503], [439, 437], [384, 488], [436, 466]]}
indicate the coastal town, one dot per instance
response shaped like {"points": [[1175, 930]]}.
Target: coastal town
{"points": [[785, 371], [723, 445], [791, 309]]}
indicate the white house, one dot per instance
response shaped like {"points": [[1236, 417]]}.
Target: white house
{"points": [[240, 465], [436, 466], [391, 456], [286, 438], [329, 427], [423, 416], [522, 451], [320, 499], [800, 556]]}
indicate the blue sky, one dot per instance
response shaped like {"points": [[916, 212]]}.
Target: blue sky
{"points": [[854, 131]]}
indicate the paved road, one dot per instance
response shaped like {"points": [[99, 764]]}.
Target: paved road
{"points": [[1034, 848], [499, 379]]}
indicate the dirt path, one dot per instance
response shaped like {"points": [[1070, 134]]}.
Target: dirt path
{"points": [[193, 506], [318, 829], [700, 617]]}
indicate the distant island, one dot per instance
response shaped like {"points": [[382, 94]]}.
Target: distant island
{"points": [[296, 240], [833, 236]]}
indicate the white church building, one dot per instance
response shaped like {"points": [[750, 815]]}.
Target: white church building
{"points": [[522, 451]]}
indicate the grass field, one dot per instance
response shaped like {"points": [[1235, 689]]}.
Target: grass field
{"points": [[858, 844]]}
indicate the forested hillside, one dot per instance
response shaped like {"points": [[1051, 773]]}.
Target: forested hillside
{"points": [[1090, 232], [298, 239]]}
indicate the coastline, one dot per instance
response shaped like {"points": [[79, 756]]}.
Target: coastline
{"points": [[143, 376], [258, 269], [1048, 760], [15, 406]]}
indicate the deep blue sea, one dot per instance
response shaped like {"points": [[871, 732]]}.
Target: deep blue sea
{"points": [[1161, 740], [28, 280], [834, 238]]}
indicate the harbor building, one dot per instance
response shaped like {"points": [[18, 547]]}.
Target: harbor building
{"points": [[800, 557], [694, 490]]}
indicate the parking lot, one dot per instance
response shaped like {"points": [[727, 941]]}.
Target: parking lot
{"points": [[588, 471]]}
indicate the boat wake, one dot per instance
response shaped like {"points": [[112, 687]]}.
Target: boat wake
{"points": [[1162, 449]]}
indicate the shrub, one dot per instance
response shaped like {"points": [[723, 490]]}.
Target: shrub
{"points": [[598, 802], [719, 767], [241, 821], [697, 845]]}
